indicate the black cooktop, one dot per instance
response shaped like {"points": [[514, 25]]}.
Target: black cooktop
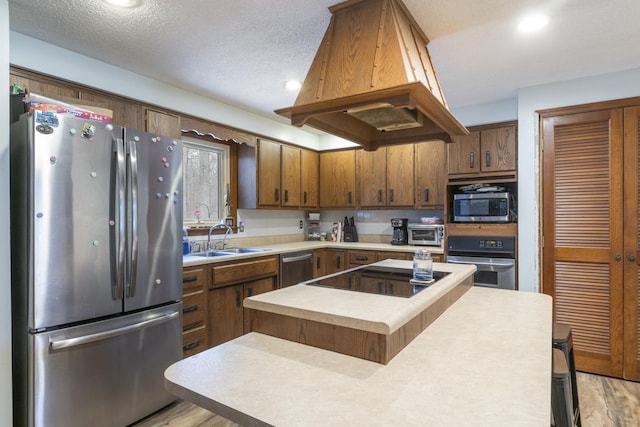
{"points": [[391, 281]]}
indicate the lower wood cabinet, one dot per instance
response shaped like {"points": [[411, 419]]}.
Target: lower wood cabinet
{"points": [[195, 282], [227, 319], [231, 283]]}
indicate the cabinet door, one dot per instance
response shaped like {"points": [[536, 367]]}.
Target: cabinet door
{"points": [[290, 176], [498, 149], [430, 167], [309, 178], [52, 89], [400, 173], [163, 124], [268, 173], [125, 113], [319, 263], [371, 168], [225, 314], [338, 179], [336, 260], [256, 287], [464, 153]]}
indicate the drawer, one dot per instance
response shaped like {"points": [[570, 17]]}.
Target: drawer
{"points": [[194, 341], [395, 255], [193, 310], [361, 257], [194, 279], [244, 271]]}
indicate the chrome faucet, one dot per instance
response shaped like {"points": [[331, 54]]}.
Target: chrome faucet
{"points": [[214, 227]]}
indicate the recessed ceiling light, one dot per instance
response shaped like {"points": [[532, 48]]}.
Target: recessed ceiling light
{"points": [[122, 3], [292, 85], [532, 23]]}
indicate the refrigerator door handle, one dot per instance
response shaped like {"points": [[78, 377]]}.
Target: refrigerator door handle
{"points": [[75, 342], [133, 165], [117, 288]]}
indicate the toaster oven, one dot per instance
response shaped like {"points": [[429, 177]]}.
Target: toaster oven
{"points": [[426, 234]]}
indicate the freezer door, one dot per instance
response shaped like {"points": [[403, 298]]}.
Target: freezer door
{"points": [[74, 220], [154, 166], [108, 373]]}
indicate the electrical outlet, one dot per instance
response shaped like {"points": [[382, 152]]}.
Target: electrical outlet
{"points": [[301, 224], [241, 227]]}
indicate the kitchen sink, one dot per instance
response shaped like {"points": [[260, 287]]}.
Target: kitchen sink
{"points": [[227, 252], [243, 250], [209, 254]]}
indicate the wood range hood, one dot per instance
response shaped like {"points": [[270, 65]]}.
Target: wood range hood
{"points": [[372, 81]]}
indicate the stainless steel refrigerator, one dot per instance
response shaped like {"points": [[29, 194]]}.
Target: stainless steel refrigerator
{"points": [[96, 230]]}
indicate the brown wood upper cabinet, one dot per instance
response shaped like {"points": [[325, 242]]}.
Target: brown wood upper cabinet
{"points": [[386, 176], [163, 124], [309, 179], [277, 175], [430, 174], [338, 172], [268, 179], [484, 150]]}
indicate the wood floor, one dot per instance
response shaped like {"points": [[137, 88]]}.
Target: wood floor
{"points": [[604, 402]]}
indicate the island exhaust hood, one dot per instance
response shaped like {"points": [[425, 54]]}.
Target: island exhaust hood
{"points": [[372, 81]]}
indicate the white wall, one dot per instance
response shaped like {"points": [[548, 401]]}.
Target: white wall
{"points": [[586, 90], [5, 261], [36, 55]]}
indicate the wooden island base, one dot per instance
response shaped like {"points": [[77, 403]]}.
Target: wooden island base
{"points": [[368, 345]]}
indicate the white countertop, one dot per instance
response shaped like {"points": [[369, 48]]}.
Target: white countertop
{"points": [[367, 312], [277, 249], [486, 361]]}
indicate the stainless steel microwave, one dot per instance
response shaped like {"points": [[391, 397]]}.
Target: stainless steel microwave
{"points": [[426, 234], [481, 207]]}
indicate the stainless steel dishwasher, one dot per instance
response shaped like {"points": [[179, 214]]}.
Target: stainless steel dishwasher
{"points": [[295, 267]]}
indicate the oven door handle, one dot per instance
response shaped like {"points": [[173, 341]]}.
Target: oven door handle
{"points": [[491, 265]]}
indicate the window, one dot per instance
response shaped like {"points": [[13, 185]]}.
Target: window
{"points": [[205, 181]]}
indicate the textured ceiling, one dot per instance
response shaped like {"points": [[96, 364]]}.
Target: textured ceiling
{"points": [[241, 52]]}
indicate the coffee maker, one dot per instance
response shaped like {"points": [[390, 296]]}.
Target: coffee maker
{"points": [[400, 234]]}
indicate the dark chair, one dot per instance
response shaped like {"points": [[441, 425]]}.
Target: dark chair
{"points": [[563, 341]]}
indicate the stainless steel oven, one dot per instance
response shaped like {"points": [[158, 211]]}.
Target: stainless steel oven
{"points": [[494, 258]]}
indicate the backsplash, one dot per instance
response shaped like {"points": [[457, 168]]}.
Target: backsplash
{"points": [[264, 227], [258, 223]]}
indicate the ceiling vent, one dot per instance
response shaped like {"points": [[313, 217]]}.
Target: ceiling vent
{"points": [[372, 81]]}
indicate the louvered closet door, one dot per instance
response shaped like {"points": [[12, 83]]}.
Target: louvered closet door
{"points": [[583, 235], [631, 243]]}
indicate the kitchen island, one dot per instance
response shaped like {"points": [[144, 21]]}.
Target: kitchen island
{"points": [[485, 361]]}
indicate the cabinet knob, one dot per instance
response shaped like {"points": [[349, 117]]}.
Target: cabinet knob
{"points": [[276, 194], [630, 257], [472, 160], [391, 195], [617, 257], [487, 158], [426, 194]]}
